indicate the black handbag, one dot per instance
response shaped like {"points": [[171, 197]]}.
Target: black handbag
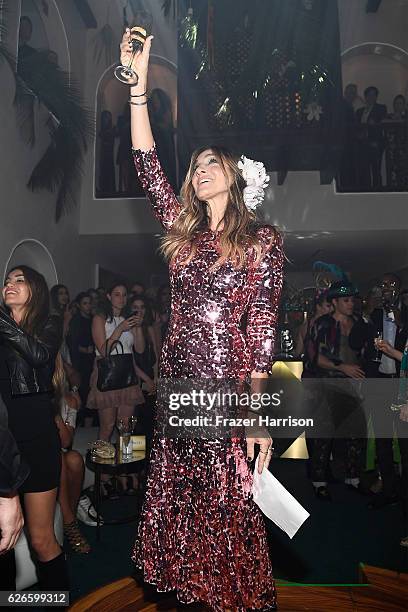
{"points": [[115, 371]]}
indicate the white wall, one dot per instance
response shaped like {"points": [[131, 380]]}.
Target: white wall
{"points": [[31, 215], [388, 25]]}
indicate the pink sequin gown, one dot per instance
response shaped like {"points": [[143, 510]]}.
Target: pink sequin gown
{"points": [[200, 532]]}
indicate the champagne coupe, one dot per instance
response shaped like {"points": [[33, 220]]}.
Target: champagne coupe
{"points": [[378, 356], [138, 33]]}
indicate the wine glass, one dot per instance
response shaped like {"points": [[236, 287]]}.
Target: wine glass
{"points": [[138, 32], [378, 355]]}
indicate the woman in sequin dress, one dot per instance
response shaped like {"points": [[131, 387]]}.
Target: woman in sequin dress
{"points": [[200, 532]]}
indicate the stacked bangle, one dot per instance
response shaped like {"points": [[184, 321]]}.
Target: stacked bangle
{"points": [[139, 95]]}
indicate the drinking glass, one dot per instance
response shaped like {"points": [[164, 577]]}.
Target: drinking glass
{"points": [[125, 427], [138, 32], [378, 355]]}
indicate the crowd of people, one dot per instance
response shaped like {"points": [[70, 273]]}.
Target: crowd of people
{"points": [[346, 341], [374, 135], [53, 372]]}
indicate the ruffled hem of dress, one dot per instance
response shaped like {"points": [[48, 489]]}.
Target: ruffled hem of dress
{"points": [[188, 601]]}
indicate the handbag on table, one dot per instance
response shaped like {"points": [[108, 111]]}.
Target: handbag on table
{"points": [[115, 371]]}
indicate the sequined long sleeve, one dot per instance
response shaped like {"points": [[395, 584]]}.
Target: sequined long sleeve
{"points": [[156, 186], [263, 307]]}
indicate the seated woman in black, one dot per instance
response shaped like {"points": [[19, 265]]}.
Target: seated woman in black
{"points": [[29, 342]]}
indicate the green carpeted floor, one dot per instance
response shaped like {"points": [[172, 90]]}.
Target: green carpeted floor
{"points": [[327, 549]]}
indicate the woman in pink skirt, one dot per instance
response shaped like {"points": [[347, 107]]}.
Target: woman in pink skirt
{"points": [[200, 532], [108, 326]]}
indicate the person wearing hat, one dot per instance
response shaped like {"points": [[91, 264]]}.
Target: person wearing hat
{"points": [[335, 362]]}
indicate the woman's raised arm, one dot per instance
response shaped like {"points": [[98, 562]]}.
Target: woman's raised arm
{"points": [[142, 137], [158, 189]]}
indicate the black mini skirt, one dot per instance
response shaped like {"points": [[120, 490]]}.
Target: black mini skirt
{"points": [[43, 456]]}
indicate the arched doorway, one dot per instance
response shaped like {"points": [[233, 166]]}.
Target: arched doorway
{"points": [[114, 174], [379, 64], [33, 253]]}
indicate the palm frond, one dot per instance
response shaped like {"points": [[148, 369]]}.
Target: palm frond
{"points": [[70, 126], [24, 101]]}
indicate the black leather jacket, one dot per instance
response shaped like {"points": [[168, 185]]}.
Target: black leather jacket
{"points": [[30, 360]]}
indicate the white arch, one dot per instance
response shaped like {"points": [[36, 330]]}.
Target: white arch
{"points": [[161, 60], [373, 44], [34, 253], [65, 37]]}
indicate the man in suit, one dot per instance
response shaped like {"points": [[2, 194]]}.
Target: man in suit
{"points": [[371, 140], [385, 322], [13, 472]]}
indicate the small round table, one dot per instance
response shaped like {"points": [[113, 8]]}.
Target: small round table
{"points": [[116, 466]]}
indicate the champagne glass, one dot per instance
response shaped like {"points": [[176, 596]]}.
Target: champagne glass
{"points": [[138, 33], [396, 407], [125, 427], [378, 356]]}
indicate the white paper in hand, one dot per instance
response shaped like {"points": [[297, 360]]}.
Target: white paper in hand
{"points": [[277, 503]]}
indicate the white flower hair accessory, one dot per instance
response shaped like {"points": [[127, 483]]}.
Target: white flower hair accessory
{"points": [[256, 178]]}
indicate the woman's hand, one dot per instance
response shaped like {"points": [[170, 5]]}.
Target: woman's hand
{"points": [[384, 347], [140, 62], [138, 319], [127, 324], [73, 400], [150, 386], [351, 370], [265, 451]]}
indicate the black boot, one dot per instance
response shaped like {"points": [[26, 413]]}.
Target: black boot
{"points": [[53, 575]]}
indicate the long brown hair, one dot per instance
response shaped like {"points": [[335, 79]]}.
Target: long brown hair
{"points": [[238, 236], [37, 308], [59, 382]]}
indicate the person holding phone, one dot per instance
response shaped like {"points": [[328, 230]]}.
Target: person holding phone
{"points": [[108, 327]]}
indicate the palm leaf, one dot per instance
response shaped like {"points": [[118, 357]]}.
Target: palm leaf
{"points": [[70, 127], [24, 98], [70, 124], [24, 101]]}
